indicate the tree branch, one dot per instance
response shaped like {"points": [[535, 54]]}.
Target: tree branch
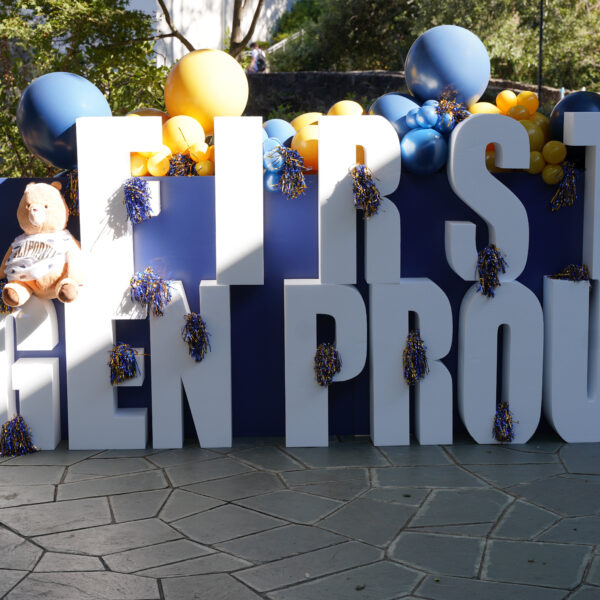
{"points": [[237, 47], [173, 29]]}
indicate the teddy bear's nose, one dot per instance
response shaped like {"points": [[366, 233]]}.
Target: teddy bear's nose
{"points": [[37, 215]]}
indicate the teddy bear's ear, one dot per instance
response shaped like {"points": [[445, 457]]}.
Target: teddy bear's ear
{"points": [[57, 185]]}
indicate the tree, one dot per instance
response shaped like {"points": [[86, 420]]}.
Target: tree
{"points": [[101, 40]]}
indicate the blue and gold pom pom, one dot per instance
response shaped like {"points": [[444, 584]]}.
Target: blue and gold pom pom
{"points": [[181, 165], [292, 182], [490, 263], [448, 105], [414, 358], [15, 438], [573, 273], [150, 290], [566, 191], [4, 308], [196, 336], [137, 199], [72, 192], [504, 424], [123, 364], [327, 363], [366, 194]]}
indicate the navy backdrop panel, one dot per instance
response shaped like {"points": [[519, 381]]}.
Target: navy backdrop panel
{"points": [[180, 244]]}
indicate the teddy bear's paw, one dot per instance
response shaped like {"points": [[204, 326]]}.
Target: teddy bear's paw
{"points": [[15, 295], [67, 290]]}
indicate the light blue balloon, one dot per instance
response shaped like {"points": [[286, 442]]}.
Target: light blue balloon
{"points": [[265, 135], [447, 58], [431, 103], [427, 117], [47, 112], [272, 158], [424, 151], [392, 106], [272, 181], [280, 129]]}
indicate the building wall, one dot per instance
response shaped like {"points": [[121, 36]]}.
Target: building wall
{"points": [[206, 24]]}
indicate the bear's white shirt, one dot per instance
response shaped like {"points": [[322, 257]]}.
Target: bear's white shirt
{"points": [[33, 256]]}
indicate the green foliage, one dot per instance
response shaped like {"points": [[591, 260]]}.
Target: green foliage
{"points": [[301, 14], [366, 34], [101, 40]]}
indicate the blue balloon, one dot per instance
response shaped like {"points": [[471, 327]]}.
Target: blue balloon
{"points": [[280, 129], [424, 151], [272, 158], [431, 103], [446, 123], [411, 118], [447, 59], [394, 107], [272, 180], [47, 112], [265, 135], [427, 117]]}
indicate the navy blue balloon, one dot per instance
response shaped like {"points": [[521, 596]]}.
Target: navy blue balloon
{"points": [[280, 129], [446, 124], [272, 179], [47, 112], [575, 102], [424, 151], [450, 59]]}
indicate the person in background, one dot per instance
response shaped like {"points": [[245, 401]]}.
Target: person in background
{"points": [[258, 60]]}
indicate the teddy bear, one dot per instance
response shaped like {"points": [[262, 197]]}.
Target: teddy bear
{"points": [[46, 259]]}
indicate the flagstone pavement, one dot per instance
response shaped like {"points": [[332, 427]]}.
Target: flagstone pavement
{"points": [[348, 522]]}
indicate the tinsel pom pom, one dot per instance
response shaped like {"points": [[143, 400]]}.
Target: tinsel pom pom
{"points": [[573, 273], [366, 194], [327, 363], [181, 164], [566, 191], [447, 104], [123, 364], [72, 192], [4, 308], [15, 438], [414, 358], [292, 182], [490, 263], [137, 199], [150, 290], [196, 336], [504, 425]]}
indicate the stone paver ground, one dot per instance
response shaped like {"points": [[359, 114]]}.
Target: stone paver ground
{"points": [[261, 521]]}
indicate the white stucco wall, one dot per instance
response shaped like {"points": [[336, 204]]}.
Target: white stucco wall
{"points": [[206, 24]]}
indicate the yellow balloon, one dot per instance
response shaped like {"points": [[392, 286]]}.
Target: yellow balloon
{"points": [[554, 152], [199, 152], [529, 100], [535, 133], [536, 162], [139, 165], [204, 167], [158, 163], [490, 161], [181, 133], [306, 143], [506, 99], [211, 153], [552, 174], [484, 108], [301, 121], [544, 122], [206, 84], [518, 112], [346, 107]]}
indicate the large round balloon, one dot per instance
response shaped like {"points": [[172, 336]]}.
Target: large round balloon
{"points": [[424, 151], [447, 59], [47, 112], [575, 102], [206, 84], [280, 130]]}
